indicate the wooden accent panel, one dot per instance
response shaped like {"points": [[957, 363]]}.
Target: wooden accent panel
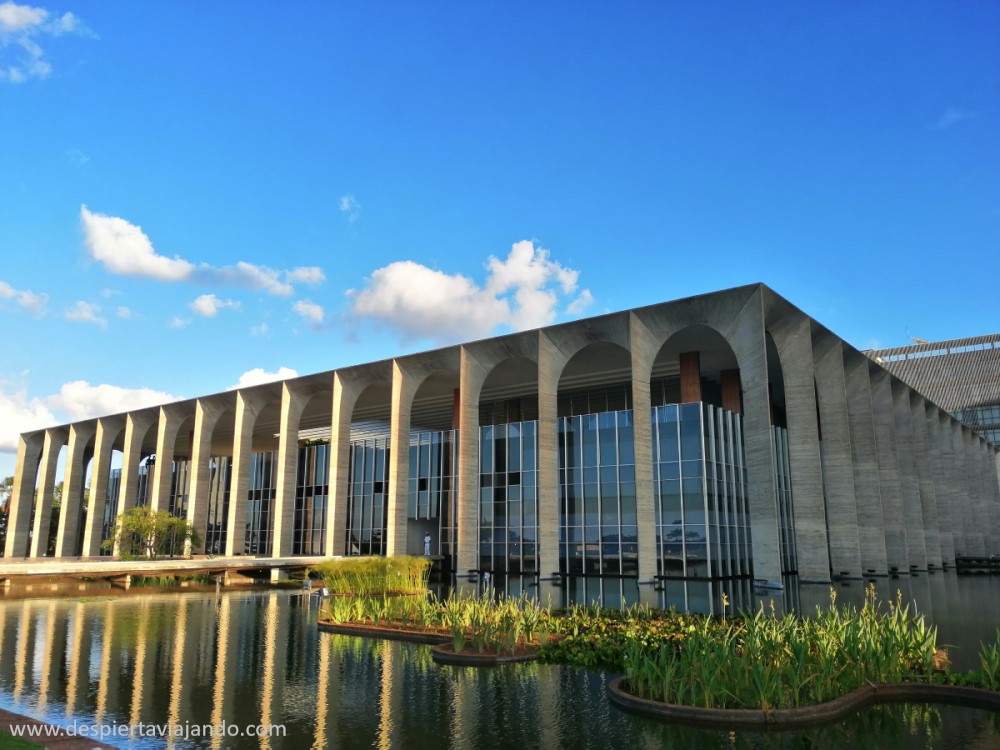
{"points": [[690, 377], [732, 397]]}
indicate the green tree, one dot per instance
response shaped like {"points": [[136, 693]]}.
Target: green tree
{"points": [[143, 532]]}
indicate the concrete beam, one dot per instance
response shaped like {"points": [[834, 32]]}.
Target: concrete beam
{"points": [[644, 348], [206, 415], [108, 430], [168, 425], [248, 405]]}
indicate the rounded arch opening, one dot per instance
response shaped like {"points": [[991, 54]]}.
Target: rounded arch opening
{"points": [[312, 476], [368, 471]]}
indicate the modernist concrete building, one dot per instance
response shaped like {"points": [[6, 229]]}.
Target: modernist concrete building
{"points": [[960, 375], [723, 435]]}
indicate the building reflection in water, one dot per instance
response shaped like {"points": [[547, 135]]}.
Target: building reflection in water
{"points": [[250, 658]]}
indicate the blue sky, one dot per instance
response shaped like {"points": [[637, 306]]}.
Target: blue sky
{"points": [[190, 192]]}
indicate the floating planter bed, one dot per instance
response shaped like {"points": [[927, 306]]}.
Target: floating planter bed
{"points": [[805, 716], [445, 654]]}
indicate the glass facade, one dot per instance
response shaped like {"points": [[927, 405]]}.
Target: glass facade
{"points": [[260, 504], [699, 484], [312, 489], [216, 531], [432, 491], [110, 507], [508, 497], [180, 483], [368, 489], [142, 488], [597, 514], [783, 488]]}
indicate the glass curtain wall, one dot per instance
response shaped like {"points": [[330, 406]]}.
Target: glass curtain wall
{"points": [[598, 533], [508, 497], [220, 474], [699, 481], [368, 487], [180, 483], [312, 489], [260, 504], [783, 489], [432, 492], [110, 508], [142, 489]]}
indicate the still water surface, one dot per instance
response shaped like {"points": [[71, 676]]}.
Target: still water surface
{"points": [[256, 657]]}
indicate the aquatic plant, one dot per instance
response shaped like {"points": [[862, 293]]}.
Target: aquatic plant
{"points": [[372, 576]]}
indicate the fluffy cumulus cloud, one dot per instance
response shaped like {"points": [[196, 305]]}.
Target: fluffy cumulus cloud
{"points": [[208, 305], [81, 400], [310, 311], [25, 299], [23, 29], [86, 312], [74, 401], [18, 414], [124, 249], [522, 291], [259, 375]]}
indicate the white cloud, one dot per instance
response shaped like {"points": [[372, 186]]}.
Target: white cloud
{"points": [[349, 205], [21, 56], [124, 249], [208, 305], [258, 375], [179, 322], [583, 300], [18, 414], [74, 401], [28, 300], [522, 291], [260, 330], [77, 156], [81, 400], [86, 312], [951, 117], [123, 312], [310, 311]]}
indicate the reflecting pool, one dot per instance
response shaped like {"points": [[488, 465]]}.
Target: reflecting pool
{"points": [[248, 658]]}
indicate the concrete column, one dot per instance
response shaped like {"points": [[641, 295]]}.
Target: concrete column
{"points": [[994, 476], [550, 364], [340, 456], [68, 532], [977, 506], [793, 338], [293, 401], [985, 466], [961, 515], [835, 449], [925, 479], [916, 550], [170, 421], [977, 544], [29, 453], [108, 430], [644, 350], [404, 388], [890, 488], [206, 414], [247, 408], [55, 439], [472, 376], [942, 484], [864, 457]]}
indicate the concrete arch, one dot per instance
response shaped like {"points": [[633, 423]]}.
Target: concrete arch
{"points": [[738, 315], [53, 450], [251, 403], [82, 436], [110, 435]]}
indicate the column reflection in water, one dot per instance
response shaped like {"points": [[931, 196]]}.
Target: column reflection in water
{"points": [[140, 663], [222, 688], [50, 651], [106, 673], [21, 650]]}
